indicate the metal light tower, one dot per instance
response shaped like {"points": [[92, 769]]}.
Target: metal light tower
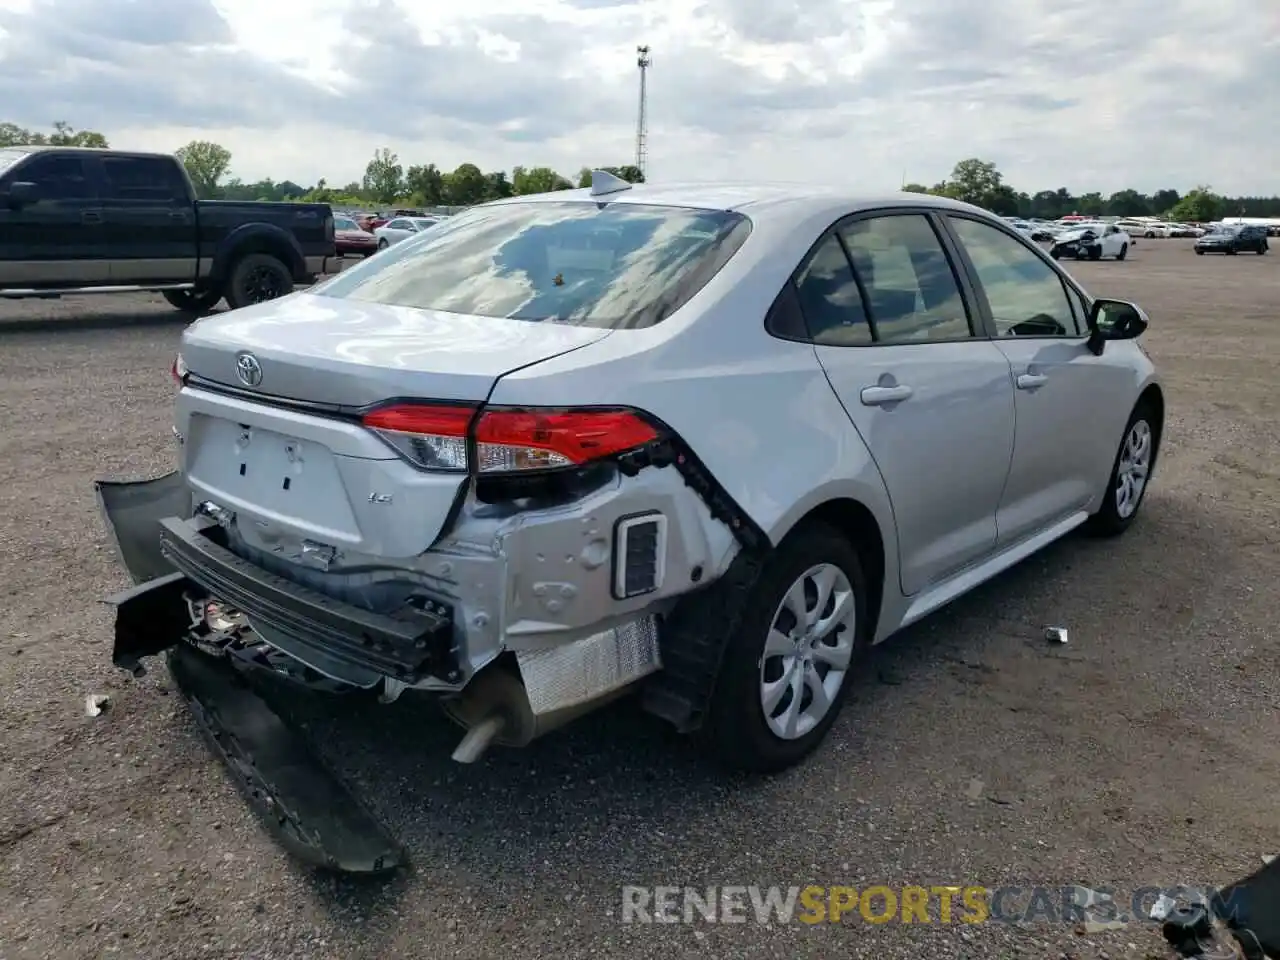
{"points": [[642, 120]]}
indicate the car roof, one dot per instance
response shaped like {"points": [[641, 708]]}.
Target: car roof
{"points": [[798, 202], [48, 148]]}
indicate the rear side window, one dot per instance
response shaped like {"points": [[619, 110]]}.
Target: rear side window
{"points": [[830, 298], [912, 292], [614, 265], [143, 178]]}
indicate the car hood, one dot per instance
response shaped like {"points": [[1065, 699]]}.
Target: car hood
{"points": [[1076, 233]]}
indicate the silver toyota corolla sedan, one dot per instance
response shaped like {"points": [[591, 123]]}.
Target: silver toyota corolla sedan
{"points": [[708, 443]]}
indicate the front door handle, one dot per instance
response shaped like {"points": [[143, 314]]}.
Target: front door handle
{"points": [[90, 216], [1029, 381], [879, 396]]}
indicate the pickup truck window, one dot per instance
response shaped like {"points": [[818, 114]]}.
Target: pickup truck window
{"points": [[58, 178], [143, 178], [9, 157]]}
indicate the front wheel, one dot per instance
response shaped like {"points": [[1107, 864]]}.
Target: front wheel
{"points": [[1199, 253], [1124, 252], [257, 278], [788, 666], [382, 244], [1095, 253], [1130, 474], [193, 302], [1262, 249], [1232, 251]]}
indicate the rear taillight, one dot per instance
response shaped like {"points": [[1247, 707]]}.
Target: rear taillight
{"points": [[179, 370], [505, 440]]}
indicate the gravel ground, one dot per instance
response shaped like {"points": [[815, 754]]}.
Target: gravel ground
{"points": [[1141, 753]]}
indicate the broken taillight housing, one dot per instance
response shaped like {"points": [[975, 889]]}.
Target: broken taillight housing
{"points": [[179, 370], [504, 440]]}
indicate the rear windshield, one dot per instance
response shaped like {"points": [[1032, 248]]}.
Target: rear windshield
{"points": [[615, 265], [344, 223]]}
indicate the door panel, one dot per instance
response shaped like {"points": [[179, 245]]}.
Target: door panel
{"points": [[150, 221], [1065, 397], [58, 239], [932, 402]]}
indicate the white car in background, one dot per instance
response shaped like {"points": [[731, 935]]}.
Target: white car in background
{"points": [[1091, 240], [401, 228]]}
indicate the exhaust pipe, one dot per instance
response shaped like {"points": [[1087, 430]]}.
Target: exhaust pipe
{"points": [[495, 709]]}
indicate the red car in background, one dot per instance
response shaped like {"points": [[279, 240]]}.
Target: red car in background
{"points": [[351, 240]]}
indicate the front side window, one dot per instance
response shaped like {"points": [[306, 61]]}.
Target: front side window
{"points": [[616, 265], [912, 292], [1027, 296], [58, 178], [9, 157], [399, 225]]}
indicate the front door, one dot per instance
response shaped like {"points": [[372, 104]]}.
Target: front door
{"points": [[1071, 405], [930, 398], [150, 221], [57, 240]]}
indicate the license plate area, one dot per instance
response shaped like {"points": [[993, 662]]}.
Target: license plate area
{"points": [[274, 478]]}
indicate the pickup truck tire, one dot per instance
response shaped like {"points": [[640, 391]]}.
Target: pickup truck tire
{"points": [[257, 278], [738, 732], [194, 302]]}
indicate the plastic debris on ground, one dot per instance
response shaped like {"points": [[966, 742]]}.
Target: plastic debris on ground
{"points": [[1055, 634], [95, 704]]}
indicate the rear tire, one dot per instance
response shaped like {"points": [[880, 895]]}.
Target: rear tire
{"points": [[1231, 251], [1122, 501], [196, 303], [1199, 253], [1124, 252], [743, 733], [1262, 249], [257, 278]]}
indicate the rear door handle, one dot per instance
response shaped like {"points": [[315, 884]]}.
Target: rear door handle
{"points": [[90, 216], [878, 396], [178, 214], [1029, 381]]}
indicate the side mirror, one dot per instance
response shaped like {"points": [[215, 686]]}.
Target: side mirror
{"points": [[22, 193], [1114, 320]]}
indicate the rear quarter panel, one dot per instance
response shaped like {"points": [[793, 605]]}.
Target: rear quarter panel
{"points": [[758, 411], [306, 223]]}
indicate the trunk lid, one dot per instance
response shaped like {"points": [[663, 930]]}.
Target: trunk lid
{"points": [[347, 353], [304, 483]]}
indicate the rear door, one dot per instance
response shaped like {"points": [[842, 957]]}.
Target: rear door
{"points": [[150, 221], [1071, 405], [58, 240], [927, 390]]}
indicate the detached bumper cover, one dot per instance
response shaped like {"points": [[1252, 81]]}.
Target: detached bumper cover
{"points": [[408, 645]]}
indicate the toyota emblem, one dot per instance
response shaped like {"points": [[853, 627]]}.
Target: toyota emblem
{"points": [[248, 369]]}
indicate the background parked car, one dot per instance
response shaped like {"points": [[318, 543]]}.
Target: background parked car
{"points": [[350, 239], [1230, 239], [1091, 241], [1144, 228], [401, 228]]}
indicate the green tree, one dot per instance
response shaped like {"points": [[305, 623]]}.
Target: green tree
{"points": [[538, 180], [1162, 201], [1091, 204], [467, 185], [975, 181], [628, 172], [1129, 203], [63, 135], [915, 188], [207, 163], [425, 183], [497, 186], [384, 176], [1201, 205]]}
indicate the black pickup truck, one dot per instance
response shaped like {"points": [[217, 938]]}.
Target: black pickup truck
{"points": [[111, 221]]}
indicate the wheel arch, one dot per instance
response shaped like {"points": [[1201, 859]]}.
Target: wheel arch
{"points": [[859, 525], [1153, 395], [257, 238]]}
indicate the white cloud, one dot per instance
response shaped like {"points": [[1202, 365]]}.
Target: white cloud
{"points": [[1091, 94]]}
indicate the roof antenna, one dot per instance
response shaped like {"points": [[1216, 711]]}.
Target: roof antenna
{"points": [[603, 182]]}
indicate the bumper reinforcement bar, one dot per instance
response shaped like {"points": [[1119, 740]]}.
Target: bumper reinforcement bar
{"points": [[408, 645]]}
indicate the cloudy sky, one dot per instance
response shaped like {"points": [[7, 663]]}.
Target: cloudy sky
{"points": [[1087, 94]]}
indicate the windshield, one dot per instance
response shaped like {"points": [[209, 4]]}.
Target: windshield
{"points": [[9, 157], [344, 223], [1223, 228], [615, 265]]}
